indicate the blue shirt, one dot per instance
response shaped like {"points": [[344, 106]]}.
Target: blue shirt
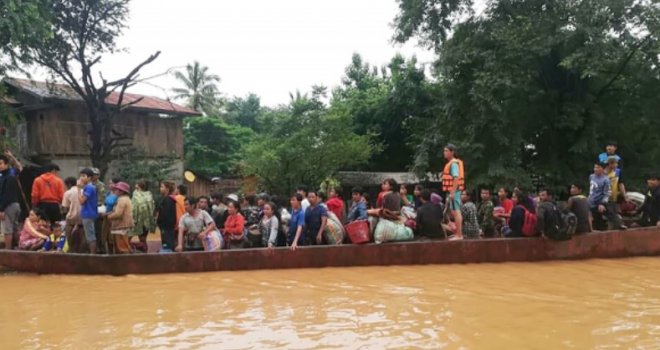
{"points": [[358, 211], [313, 217], [89, 210], [297, 220], [110, 202], [600, 190]]}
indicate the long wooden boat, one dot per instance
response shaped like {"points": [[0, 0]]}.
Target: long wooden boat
{"points": [[612, 244]]}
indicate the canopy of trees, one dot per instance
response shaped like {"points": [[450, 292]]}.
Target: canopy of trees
{"points": [[538, 87]]}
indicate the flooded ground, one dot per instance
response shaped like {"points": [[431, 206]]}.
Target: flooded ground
{"points": [[597, 304]]}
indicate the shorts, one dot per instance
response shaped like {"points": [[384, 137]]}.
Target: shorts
{"points": [[9, 225], [90, 230], [52, 211], [454, 203]]}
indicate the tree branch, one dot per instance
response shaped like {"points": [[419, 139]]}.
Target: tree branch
{"points": [[621, 68]]}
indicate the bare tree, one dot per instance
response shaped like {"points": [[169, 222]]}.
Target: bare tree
{"points": [[85, 30]]}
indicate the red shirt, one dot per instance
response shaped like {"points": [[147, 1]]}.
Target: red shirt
{"points": [[379, 199], [47, 188], [234, 225], [336, 206], [507, 204]]}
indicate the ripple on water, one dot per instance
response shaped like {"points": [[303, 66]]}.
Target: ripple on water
{"points": [[598, 304]]}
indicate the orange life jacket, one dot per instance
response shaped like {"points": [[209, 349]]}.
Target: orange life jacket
{"points": [[448, 180]]}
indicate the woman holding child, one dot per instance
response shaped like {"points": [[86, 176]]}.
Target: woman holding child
{"points": [[35, 231]]}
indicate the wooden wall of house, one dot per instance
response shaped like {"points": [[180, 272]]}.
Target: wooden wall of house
{"points": [[62, 131]]}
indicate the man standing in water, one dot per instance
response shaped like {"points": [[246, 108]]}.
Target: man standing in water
{"points": [[453, 182]]}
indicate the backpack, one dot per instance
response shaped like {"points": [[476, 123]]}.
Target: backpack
{"points": [[529, 225], [556, 228], [570, 221]]}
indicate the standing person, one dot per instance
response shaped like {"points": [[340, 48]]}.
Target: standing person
{"points": [[269, 226], [358, 210], [618, 190], [180, 197], [100, 186], [600, 191], [469, 215], [453, 182], [610, 151], [579, 205], [89, 207], [111, 197], [485, 216], [71, 207], [234, 231], [48, 192], [651, 207], [203, 203], [10, 210], [316, 218], [297, 222], [195, 226], [429, 217], [302, 190], [262, 199], [143, 213], [166, 216], [335, 204], [121, 218], [520, 207]]}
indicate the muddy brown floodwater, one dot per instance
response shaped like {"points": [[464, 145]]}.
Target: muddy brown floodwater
{"points": [[596, 304]]}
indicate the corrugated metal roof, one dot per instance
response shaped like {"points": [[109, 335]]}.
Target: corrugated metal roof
{"points": [[64, 92]]}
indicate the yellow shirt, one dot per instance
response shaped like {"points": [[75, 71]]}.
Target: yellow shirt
{"points": [[614, 182]]}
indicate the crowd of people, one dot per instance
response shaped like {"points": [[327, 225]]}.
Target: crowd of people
{"points": [[80, 215]]}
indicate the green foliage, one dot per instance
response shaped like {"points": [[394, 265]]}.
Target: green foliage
{"points": [[23, 24], [303, 143], [200, 89], [389, 103], [244, 111], [538, 87], [212, 147], [134, 166]]}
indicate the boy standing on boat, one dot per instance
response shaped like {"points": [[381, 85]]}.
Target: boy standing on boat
{"points": [[453, 182], [10, 210], [88, 207]]}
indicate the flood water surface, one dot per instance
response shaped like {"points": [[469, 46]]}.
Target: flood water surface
{"points": [[597, 304]]}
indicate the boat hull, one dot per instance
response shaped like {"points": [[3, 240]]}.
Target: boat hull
{"points": [[613, 244]]}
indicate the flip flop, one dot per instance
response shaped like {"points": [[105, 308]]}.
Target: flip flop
{"points": [[455, 238]]}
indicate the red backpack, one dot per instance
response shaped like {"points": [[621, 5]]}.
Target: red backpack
{"points": [[529, 225]]}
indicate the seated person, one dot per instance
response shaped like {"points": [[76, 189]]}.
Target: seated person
{"points": [[57, 240], [35, 231], [520, 207], [429, 217]]}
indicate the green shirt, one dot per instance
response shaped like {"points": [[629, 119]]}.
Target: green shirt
{"points": [[485, 216]]}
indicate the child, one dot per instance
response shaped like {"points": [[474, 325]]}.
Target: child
{"points": [[57, 240], [35, 231]]}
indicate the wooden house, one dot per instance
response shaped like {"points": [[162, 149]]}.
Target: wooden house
{"points": [[53, 125]]}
